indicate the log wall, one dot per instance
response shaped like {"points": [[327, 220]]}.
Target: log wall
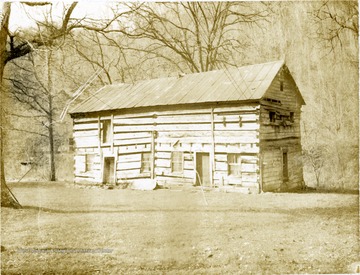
{"points": [[281, 135], [218, 131]]}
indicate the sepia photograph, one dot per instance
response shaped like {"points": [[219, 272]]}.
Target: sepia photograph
{"points": [[174, 137]]}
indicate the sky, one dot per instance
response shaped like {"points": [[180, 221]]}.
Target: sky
{"points": [[23, 16]]}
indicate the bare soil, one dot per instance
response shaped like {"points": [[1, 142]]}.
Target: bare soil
{"points": [[63, 229]]}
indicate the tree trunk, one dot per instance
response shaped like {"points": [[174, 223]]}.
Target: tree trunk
{"points": [[7, 198], [52, 151], [50, 116]]}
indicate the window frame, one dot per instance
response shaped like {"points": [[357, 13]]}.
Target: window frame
{"points": [[145, 166], [232, 164], [177, 161], [108, 136]]}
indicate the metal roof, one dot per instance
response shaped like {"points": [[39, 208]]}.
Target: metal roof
{"points": [[234, 84]]}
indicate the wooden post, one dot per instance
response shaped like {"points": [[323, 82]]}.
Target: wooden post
{"points": [[212, 154], [153, 133], [112, 132]]}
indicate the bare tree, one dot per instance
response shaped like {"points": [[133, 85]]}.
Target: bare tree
{"points": [[335, 20], [192, 36], [18, 44], [36, 91]]}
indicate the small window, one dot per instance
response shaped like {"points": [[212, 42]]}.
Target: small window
{"points": [[176, 162], [272, 116], [106, 131], [281, 85], [234, 164], [145, 162], [89, 162]]}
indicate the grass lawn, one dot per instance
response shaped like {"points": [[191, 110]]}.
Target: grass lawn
{"points": [[64, 229]]}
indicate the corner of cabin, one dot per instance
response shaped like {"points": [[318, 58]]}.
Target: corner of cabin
{"points": [[280, 142]]}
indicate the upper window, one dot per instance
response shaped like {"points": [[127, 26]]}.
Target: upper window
{"points": [[234, 163], [281, 85], [106, 131], [176, 162], [145, 162], [272, 116]]}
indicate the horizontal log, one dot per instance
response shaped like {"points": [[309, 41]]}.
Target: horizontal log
{"points": [[133, 149], [126, 136], [163, 155], [163, 163], [129, 165], [86, 142], [86, 120], [134, 141], [186, 127], [221, 166], [189, 165], [187, 119], [174, 180], [89, 133], [250, 137], [86, 126], [130, 174], [129, 158]]}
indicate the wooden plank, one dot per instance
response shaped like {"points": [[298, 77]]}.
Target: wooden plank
{"points": [[185, 119], [86, 141], [242, 137], [173, 180], [133, 149], [126, 136], [85, 126], [193, 110], [88, 133], [163, 163], [189, 165], [243, 148], [80, 163], [221, 166], [129, 158], [134, 141], [163, 155], [186, 127], [129, 165], [85, 120]]}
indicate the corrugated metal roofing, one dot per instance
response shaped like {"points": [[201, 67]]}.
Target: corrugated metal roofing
{"points": [[235, 84]]}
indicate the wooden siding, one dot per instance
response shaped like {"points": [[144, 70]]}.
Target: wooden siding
{"points": [[234, 129], [281, 135]]}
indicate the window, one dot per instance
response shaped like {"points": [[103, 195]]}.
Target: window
{"points": [[106, 131], [89, 162], [234, 165], [272, 116], [281, 85], [145, 162], [285, 166], [176, 162]]}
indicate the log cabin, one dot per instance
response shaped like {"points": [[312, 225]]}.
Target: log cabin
{"points": [[232, 129]]}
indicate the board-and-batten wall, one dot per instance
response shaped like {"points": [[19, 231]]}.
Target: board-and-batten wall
{"points": [[217, 131]]}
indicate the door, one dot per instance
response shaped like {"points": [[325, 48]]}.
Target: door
{"points": [[109, 170], [203, 169]]}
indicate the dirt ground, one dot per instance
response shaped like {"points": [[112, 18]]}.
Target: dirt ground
{"points": [[64, 229]]}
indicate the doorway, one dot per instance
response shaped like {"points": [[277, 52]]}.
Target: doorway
{"points": [[109, 170], [203, 169]]}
